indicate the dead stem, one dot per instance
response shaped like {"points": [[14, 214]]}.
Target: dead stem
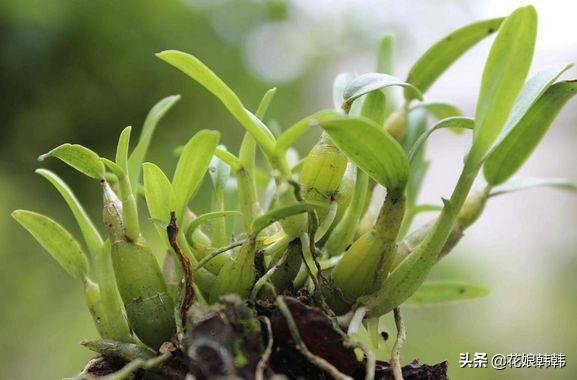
{"points": [[188, 298], [399, 342], [314, 359]]}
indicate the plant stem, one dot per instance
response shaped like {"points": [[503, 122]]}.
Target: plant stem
{"points": [[413, 270]]}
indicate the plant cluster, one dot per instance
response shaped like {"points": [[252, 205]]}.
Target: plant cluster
{"points": [[320, 227]]}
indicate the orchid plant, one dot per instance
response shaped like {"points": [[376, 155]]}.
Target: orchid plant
{"points": [[334, 227]]}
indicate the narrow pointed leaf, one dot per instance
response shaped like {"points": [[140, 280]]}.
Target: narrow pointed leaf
{"points": [[198, 71], [265, 103], [442, 292], [531, 91], [113, 167], [524, 183], [157, 190], [230, 159], [375, 107], [56, 240], [191, 167], [459, 122], [288, 138], [522, 139], [154, 116], [219, 174], [444, 53], [507, 66], [275, 215], [416, 126], [122, 150], [89, 231], [366, 83], [371, 149], [385, 55], [80, 158], [157, 187]]}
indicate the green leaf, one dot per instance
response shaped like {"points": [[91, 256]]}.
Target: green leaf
{"points": [[219, 174], [230, 159], [122, 149], [450, 122], [522, 138], [371, 149], [440, 110], [366, 83], [416, 126], [375, 107], [191, 167], [505, 71], [277, 214], [341, 81], [288, 138], [265, 103], [523, 183], [385, 55], [444, 53], [138, 155], [531, 91], [440, 292], [114, 168], [56, 240], [80, 158], [195, 69], [157, 188], [89, 231]]}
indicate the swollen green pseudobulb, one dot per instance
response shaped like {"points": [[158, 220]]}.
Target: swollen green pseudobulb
{"points": [[236, 276], [149, 308], [396, 124], [322, 173], [368, 260]]}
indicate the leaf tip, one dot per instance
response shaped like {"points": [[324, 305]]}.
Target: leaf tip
{"points": [[16, 213]]}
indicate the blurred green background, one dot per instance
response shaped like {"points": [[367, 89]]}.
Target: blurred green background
{"points": [[79, 71]]}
